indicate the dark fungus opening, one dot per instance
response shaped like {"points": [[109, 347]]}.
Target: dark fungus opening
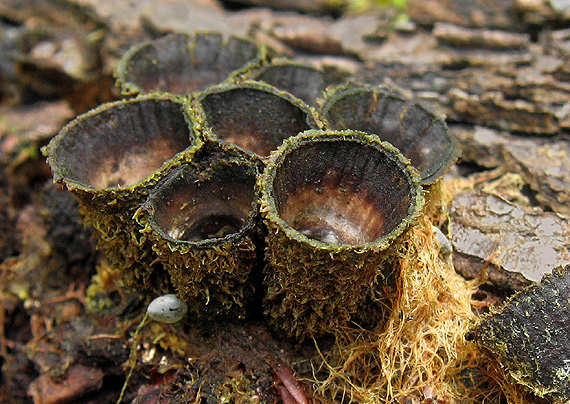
{"points": [[255, 118], [420, 135], [181, 64], [195, 207], [342, 190], [120, 144], [304, 82]]}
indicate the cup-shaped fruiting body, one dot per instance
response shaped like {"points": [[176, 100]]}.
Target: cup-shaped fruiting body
{"points": [[110, 158], [182, 64], [418, 133], [334, 203], [253, 115], [202, 221], [304, 81], [528, 336]]}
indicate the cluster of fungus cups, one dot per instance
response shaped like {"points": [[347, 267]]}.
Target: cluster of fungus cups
{"points": [[204, 192], [110, 158]]}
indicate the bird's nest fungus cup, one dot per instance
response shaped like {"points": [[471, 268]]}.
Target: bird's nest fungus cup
{"points": [[202, 221], [182, 64], [528, 336], [334, 203], [252, 115], [110, 158], [304, 81], [421, 135]]}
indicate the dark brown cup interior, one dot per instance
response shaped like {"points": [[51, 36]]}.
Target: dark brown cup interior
{"points": [[342, 192], [417, 133], [120, 144], [254, 119], [181, 64], [304, 82], [195, 208]]}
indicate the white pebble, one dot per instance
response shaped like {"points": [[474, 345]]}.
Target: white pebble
{"points": [[167, 309]]}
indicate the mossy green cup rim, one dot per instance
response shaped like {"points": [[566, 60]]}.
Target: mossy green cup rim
{"points": [[205, 128], [268, 207], [282, 62], [299, 87], [53, 150], [252, 84]]}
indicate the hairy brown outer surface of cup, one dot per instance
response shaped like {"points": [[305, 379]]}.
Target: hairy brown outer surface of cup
{"points": [[213, 274], [310, 292], [418, 133], [312, 286], [529, 336], [213, 281], [81, 157]]}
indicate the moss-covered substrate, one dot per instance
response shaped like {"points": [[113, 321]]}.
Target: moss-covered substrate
{"points": [[529, 336]]}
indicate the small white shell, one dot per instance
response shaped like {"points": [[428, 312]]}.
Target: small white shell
{"points": [[443, 242], [167, 309]]}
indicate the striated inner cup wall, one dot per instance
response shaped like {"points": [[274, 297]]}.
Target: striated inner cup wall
{"points": [[342, 194], [335, 205]]}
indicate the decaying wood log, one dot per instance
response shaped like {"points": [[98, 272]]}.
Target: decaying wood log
{"points": [[529, 336], [514, 245], [471, 13]]}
